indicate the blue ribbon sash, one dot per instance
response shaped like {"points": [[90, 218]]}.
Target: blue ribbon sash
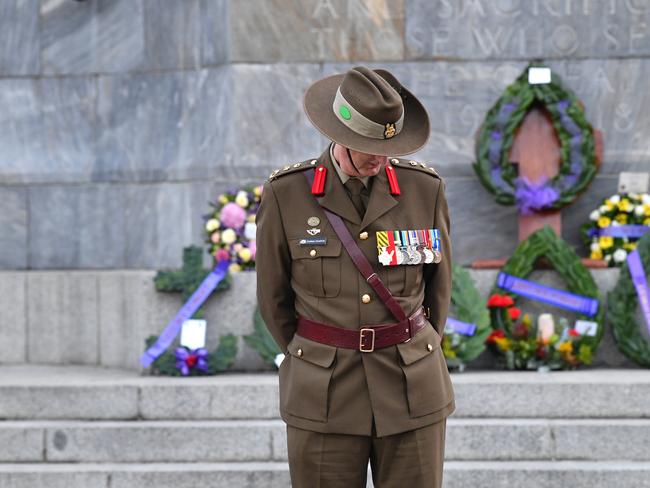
{"points": [[640, 283], [460, 327], [199, 296], [560, 298], [631, 231]]}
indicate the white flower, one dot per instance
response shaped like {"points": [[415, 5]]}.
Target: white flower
{"points": [[242, 199], [635, 196], [620, 255], [594, 215], [212, 224], [608, 257], [228, 236], [615, 223], [595, 246], [603, 209], [614, 199], [638, 210], [645, 198], [250, 230]]}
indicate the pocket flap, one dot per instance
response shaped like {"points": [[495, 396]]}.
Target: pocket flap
{"points": [[312, 351], [417, 347], [332, 248]]}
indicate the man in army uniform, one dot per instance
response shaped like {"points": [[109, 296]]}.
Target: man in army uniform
{"points": [[364, 378]]}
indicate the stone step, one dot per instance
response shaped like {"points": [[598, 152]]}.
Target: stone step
{"points": [[457, 474], [85, 392], [265, 440]]}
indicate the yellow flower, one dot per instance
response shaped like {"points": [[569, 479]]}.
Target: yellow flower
{"points": [[242, 199], [646, 209], [621, 218], [234, 268], [608, 203], [604, 221], [625, 205], [565, 347], [223, 199], [606, 242], [630, 246], [503, 343], [257, 191], [245, 254], [646, 221], [212, 224], [229, 236], [596, 254], [250, 218]]}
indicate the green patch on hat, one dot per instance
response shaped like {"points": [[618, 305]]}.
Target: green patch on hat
{"points": [[345, 112]]}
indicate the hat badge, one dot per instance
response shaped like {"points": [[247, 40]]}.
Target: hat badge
{"points": [[389, 131]]}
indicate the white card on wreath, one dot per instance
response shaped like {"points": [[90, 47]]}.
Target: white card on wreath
{"points": [[539, 76], [193, 333], [586, 327], [629, 182]]}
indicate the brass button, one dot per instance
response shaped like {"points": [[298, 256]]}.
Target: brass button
{"points": [[299, 352], [429, 347], [312, 253], [363, 236], [365, 298]]}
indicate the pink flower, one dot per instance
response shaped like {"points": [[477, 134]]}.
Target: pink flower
{"points": [[232, 215], [252, 245], [222, 255]]}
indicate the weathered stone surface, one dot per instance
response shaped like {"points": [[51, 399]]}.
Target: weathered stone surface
{"points": [[13, 317], [178, 441], [47, 129], [62, 319], [13, 222], [20, 442], [19, 38], [483, 29], [215, 30], [316, 30]]}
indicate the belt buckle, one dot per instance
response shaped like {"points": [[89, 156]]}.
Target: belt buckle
{"points": [[361, 331]]}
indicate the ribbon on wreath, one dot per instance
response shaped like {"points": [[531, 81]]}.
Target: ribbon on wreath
{"points": [[460, 327], [640, 283], [172, 329], [560, 298], [628, 230]]}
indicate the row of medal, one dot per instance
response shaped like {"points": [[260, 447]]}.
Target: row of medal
{"points": [[397, 247]]}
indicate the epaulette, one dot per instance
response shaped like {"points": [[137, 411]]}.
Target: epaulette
{"points": [[412, 164], [292, 168]]}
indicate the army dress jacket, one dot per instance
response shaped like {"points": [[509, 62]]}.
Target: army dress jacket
{"points": [[331, 389]]}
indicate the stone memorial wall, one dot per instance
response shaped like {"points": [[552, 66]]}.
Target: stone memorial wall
{"points": [[121, 118]]}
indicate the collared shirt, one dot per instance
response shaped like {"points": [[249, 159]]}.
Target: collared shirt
{"points": [[342, 174]]}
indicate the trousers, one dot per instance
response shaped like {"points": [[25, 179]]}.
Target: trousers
{"points": [[412, 459]]}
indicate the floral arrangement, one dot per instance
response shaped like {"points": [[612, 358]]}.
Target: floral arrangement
{"points": [[183, 361], [521, 344], [615, 226], [458, 346], [578, 161], [230, 228]]}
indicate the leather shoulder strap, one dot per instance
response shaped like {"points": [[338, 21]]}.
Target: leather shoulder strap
{"points": [[359, 259]]}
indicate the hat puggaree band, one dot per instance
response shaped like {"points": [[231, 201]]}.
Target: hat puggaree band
{"points": [[361, 124]]}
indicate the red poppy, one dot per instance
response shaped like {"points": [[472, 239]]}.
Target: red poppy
{"points": [[573, 332], [494, 301], [514, 313], [507, 301], [495, 334]]}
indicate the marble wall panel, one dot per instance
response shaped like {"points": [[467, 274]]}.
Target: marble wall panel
{"points": [[13, 228], [524, 29], [19, 38], [316, 30]]}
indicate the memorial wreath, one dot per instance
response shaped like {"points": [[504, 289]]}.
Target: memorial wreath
{"points": [[578, 161]]}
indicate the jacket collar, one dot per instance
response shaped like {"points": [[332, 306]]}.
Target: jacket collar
{"points": [[336, 199]]}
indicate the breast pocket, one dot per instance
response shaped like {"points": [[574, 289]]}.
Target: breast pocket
{"points": [[403, 279], [317, 268], [428, 384]]}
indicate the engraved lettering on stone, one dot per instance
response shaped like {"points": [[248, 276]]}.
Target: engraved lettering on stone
{"points": [[508, 8], [638, 32], [473, 5], [490, 40], [565, 39], [636, 7], [603, 80], [440, 36], [324, 6], [445, 10], [469, 118], [623, 120]]}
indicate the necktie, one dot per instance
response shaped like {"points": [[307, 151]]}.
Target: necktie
{"points": [[355, 187]]}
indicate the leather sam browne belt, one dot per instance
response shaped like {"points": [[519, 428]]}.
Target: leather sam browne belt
{"points": [[366, 339]]}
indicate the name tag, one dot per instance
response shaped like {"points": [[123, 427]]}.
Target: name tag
{"points": [[313, 241]]}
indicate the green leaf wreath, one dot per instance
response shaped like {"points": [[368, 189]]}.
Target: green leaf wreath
{"points": [[220, 359], [578, 161], [261, 339], [622, 303], [517, 343], [468, 306]]}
